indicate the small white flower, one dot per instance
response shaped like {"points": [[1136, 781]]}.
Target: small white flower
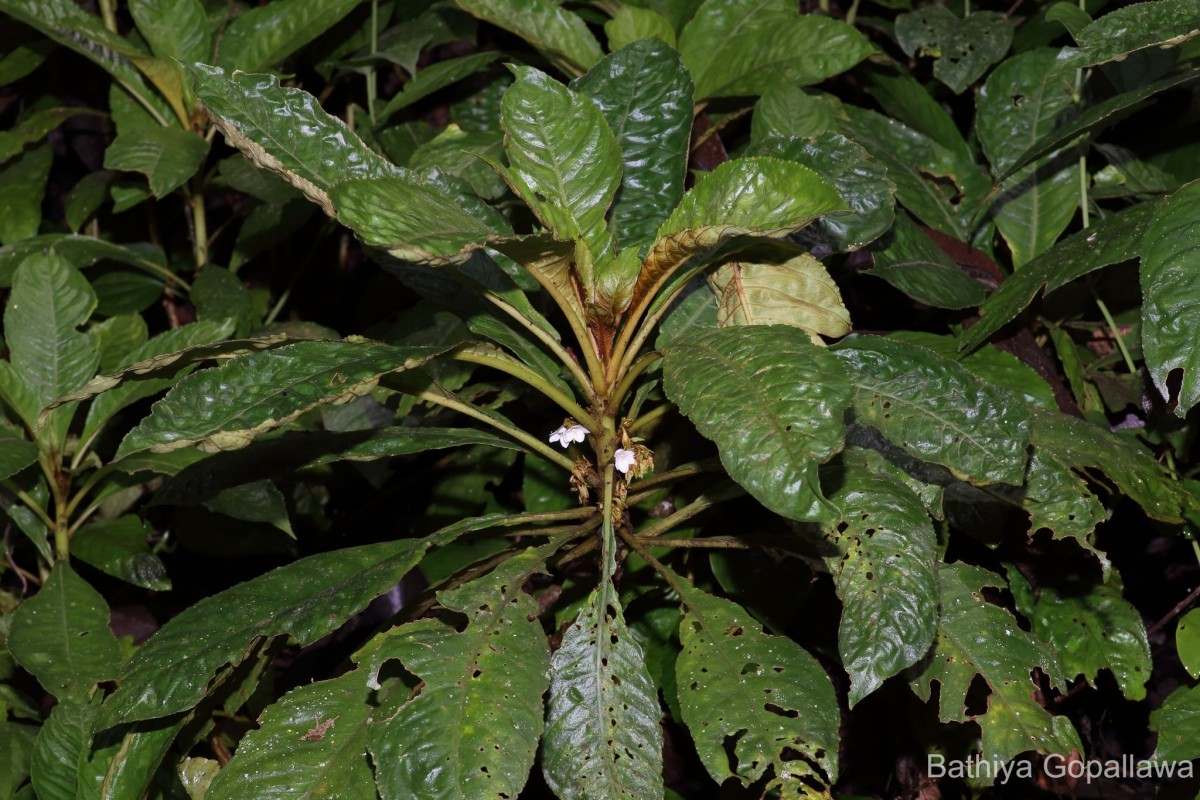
{"points": [[565, 435], [623, 460]]}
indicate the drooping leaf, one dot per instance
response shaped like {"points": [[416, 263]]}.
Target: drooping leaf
{"points": [[119, 547], [15, 453], [1017, 107], [1171, 296], [1177, 723], [263, 36], [765, 197], [34, 128], [61, 636], [859, 179], [286, 131], [963, 46], [228, 407], [933, 408], [602, 740], [436, 77], [788, 112], [914, 264], [122, 761], [975, 637], [771, 400], [564, 159], [885, 571], [80, 252], [304, 600], [750, 700], [908, 100], [561, 35], [764, 290], [168, 157], [742, 47], [461, 154], [1119, 33], [61, 748], [645, 94], [24, 179], [471, 731], [176, 30], [1111, 240]]}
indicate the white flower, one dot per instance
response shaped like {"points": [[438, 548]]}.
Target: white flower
{"points": [[623, 460], [565, 435]]}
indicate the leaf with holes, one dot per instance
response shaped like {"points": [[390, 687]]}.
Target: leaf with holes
{"points": [[963, 46], [1137, 26]]}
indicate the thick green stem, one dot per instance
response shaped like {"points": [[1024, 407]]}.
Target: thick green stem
{"points": [[632, 374], [29, 502], [516, 369], [453, 403], [700, 504], [108, 13], [372, 88], [639, 424], [199, 227], [581, 378]]}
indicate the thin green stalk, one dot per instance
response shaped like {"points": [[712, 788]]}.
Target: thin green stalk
{"points": [[32, 504], [108, 12], [1112, 326], [630, 342], [85, 488], [372, 88], [199, 227], [645, 419], [682, 472], [608, 542], [632, 374], [521, 436], [700, 504], [516, 369], [709, 542], [581, 378]]}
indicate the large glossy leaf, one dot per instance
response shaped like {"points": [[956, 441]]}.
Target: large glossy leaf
{"points": [[742, 47], [122, 762], [885, 571], [859, 179], [168, 157], [937, 410], [976, 638], [435, 77], [305, 600], [80, 252], [227, 407], [286, 131], [24, 179], [775, 289], [645, 95], [263, 36], [771, 400], [1108, 241], [565, 161], [559, 34], [119, 547], [963, 46], [1083, 446], [761, 196], [1092, 627], [471, 731], [603, 740], [1171, 296], [914, 264], [1177, 723], [1127, 30], [61, 636], [908, 100], [1017, 107], [462, 154], [61, 748], [176, 30], [312, 742], [752, 701]]}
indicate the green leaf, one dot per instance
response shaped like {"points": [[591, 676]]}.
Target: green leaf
{"points": [[1092, 627], [963, 46], [228, 407], [462, 154], [471, 730], [1016, 108], [219, 295], [1171, 296], [48, 354], [771, 400], [1059, 500], [412, 221], [62, 748], [908, 100], [119, 547], [1081, 445], [751, 700], [991, 364], [631, 24], [974, 638], [742, 47], [80, 252], [24, 180], [313, 741], [86, 197], [177, 30], [117, 339], [773, 289], [264, 36], [122, 762], [436, 77], [564, 159], [936, 410], [560, 35], [15, 453], [765, 197], [259, 501], [1110, 240], [286, 131], [34, 128], [859, 179], [884, 569], [645, 95], [932, 181], [914, 264], [168, 157], [1177, 723], [788, 112], [1187, 642], [21, 55], [61, 636], [1127, 30], [305, 600], [603, 740]]}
